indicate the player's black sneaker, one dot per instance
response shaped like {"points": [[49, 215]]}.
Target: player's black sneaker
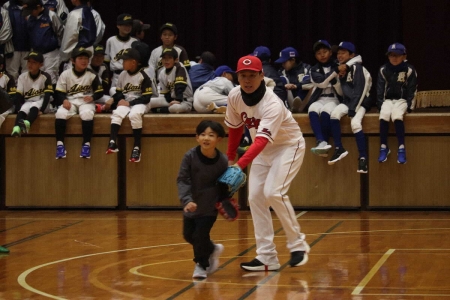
{"points": [[362, 165], [135, 155], [112, 148], [256, 265], [339, 153], [298, 258]]}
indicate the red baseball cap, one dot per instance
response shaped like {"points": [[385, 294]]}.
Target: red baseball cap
{"points": [[249, 63]]}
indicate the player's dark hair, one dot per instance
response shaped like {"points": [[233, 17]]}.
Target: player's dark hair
{"points": [[208, 58], [215, 126]]}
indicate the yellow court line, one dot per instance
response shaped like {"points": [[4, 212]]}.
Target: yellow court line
{"points": [[372, 272]]}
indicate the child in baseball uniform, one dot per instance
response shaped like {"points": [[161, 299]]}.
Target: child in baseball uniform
{"points": [[102, 71], [133, 92], [355, 83], [8, 84], [199, 192], [277, 154], [77, 89], [212, 96], [396, 91], [35, 87], [175, 87], [115, 45]]}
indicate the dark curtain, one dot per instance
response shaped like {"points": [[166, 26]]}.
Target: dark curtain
{"points": [[233, 28]]}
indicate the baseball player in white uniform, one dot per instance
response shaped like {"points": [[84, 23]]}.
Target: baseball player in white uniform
{"points": [[8, 84], [277, 153], [115, 45]]}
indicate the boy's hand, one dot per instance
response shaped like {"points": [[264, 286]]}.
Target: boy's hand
{"points": [[190, 207], [174, 102], [66, 104], [88, 99], [290, 86], [342, 70], [108, 103], [123, 103]]}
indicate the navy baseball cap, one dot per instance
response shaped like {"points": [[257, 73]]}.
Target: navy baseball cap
{"points": [[81, 51], [219, 71], [396, 48], [130, 53], [125, 19], [170, 51], [286, 54], [262, 52], [347, 46], [321, 43], [169, 26], [36, 56]]}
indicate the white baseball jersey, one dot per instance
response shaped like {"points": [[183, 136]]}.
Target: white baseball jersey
{"points": [[155, 62], [7, 83], [178, 75], [78, 87], [155, 92], [269, 118], [220, 85], [34, 89], [133, 86], [114, 48]]}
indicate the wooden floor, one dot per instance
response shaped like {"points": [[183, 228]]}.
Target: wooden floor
{"points": [[142, 255]]}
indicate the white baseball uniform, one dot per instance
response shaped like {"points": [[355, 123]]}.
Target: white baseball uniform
{"points": [[115, 46], [9, 85], [215, 90], [155, 62], [33, 90], [272, 170]]}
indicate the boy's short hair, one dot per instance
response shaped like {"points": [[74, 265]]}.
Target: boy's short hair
{"points": [[396, 48], [99, 49], [208, 58], [286, 54], [36, 56], [144, 51], [170, 51], [130, 53], [347, 46], [262, 52], [30, 6], [81, 51], [169, 26], [125, 19], [321, 44], [215, 126]]}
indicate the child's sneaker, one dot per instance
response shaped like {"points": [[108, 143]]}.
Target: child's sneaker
{"points": [[60, 152], [135, 155], [214, 258], [199, 272], [339, 153], [16, 131], [384, 152], [24, 126], [362, 166], [112, 148], [401, 156], [85, 151], [256, 265], [321, 149], [296, 105]]}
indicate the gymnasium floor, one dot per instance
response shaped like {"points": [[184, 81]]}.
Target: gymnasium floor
{"points": [[142, 255]]}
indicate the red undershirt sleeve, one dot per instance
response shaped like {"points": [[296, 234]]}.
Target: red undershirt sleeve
{"points": [[234, 138], [256, 147]]}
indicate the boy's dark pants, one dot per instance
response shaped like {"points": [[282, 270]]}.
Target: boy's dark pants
{"points": [[196, 232]]}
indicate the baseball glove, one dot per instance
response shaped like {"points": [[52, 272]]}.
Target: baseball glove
{"points": [[232, 179], [5, 101], [228, 208]]}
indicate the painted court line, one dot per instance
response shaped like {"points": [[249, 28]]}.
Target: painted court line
{"points": [[372, 272]]}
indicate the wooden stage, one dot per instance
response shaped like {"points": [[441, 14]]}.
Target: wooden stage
{"points": [[142, 255]]}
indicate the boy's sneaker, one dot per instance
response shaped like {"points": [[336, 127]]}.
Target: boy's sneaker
{"points": [[24, 126], [256, 265], [362, 166], [214, 258], [199, 272], [85, 151], [135, 155], [321, 149], [296, 105], [401, 156], [299, 258], [112, 148], [339, 153], [60, 152], [16, 131], [384, 152]]}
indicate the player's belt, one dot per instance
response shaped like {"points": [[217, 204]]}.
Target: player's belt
{"points": [[327, 95], [118, 72]]}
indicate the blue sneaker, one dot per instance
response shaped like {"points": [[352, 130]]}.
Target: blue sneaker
{"points": [[384, 152], [401, 156], [85, 151], [60, 152]]}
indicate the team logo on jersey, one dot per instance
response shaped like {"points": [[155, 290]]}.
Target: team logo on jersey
{"points": [[250, 122], [116, 58], [349, 77], [401, 77], [79, 89], [43, 25], [131, 88], [33, 93], [247, 62]]}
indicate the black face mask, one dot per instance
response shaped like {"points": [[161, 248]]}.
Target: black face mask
{"points": [[254, 98]]}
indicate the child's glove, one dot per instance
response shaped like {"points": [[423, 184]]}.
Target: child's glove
{"points": [[233, 178], [228, 208]]}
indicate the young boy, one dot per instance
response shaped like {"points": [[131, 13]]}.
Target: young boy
{"points": [[77, 89], [295, 73], [35, 87], [8, 84], [198, 193], [115, 45], [169, 34], [176, 90], [139, 29], [133, 92], [324, 97], [396, 90], [355, 83], [277, 153], [212, 96], [102, 71]]}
